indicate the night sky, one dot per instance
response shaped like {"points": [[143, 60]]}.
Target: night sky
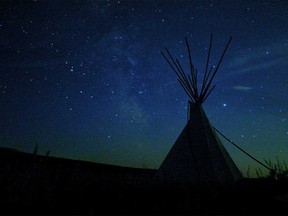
{"points": [[86, 79]]}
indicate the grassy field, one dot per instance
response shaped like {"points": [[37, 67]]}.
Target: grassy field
{"points": [[33, 184]]}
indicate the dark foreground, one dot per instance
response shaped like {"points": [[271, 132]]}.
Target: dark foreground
{"points": [[39, 185]]}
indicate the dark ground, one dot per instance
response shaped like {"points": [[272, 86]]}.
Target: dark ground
{"points": [[38, 185]]}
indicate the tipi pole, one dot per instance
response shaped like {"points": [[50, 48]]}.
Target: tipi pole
{"points": [[216, 69], [180, 74], [208, 94], [192, 90], [207, 64], [192, 69], [183, 86]]}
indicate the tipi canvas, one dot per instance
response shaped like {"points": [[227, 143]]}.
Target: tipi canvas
{"points": [[198, 155]]}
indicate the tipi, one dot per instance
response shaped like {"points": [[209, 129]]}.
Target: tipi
{"points": [[198, 155]]}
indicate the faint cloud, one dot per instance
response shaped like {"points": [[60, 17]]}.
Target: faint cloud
{"points": [[259, 58], [268, 63], [242, 88]]}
